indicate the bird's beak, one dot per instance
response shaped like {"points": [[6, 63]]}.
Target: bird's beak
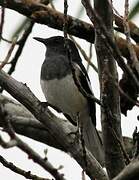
{"points": [[39, 39]]}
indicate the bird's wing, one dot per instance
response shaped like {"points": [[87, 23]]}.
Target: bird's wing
{"points": [[84, 80]]}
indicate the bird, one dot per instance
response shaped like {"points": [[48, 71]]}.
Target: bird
{"points": [[62, 92]]}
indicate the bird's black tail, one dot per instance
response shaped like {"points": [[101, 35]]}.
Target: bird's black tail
{"points": [[93, 141]]}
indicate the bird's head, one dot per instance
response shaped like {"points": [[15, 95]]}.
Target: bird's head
{"points": [[55, 41], [57, 44]]}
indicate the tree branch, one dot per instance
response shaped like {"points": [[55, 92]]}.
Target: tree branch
{"points": [[2, 16], [21, 44], [20, 171], [44, 15]]}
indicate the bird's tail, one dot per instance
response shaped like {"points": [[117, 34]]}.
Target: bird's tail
{"points": [[93, 141]]}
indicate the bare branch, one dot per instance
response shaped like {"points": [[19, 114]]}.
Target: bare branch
{"points": [[130, 172], [18, 170], [21, 43], [2, 21], [44, 15], [5, 61], [6, 40], [90, 56]]}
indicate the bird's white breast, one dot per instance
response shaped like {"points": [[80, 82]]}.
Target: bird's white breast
{"points": [[64, 94]]}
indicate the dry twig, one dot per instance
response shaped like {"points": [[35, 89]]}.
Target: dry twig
{"points": [[26, 174], [2, 21], [5, 61], [16, 141]]}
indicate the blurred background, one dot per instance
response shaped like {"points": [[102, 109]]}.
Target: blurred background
{"points": [[28, 71]]}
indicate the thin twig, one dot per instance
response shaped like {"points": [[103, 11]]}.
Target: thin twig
{"points": [[65, 25], [6, 40], [2, 21], [116, 12], [90, 57], [20, 48], [5, 61], [84, 54], [134, 60], [52, 5], [20, 171]]}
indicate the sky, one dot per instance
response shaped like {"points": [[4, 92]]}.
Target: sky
{"points": [[28, 71]]}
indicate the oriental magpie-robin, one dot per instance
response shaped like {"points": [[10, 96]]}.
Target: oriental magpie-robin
{"points": [[60, 89]]}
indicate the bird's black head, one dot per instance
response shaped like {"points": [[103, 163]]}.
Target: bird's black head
{"points": [[52, 41], [55, 41]]}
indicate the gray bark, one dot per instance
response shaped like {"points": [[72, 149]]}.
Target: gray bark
{"points": [[108, 76]]}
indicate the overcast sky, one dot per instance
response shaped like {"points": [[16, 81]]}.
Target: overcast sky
{"points": [[28, 71]]}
